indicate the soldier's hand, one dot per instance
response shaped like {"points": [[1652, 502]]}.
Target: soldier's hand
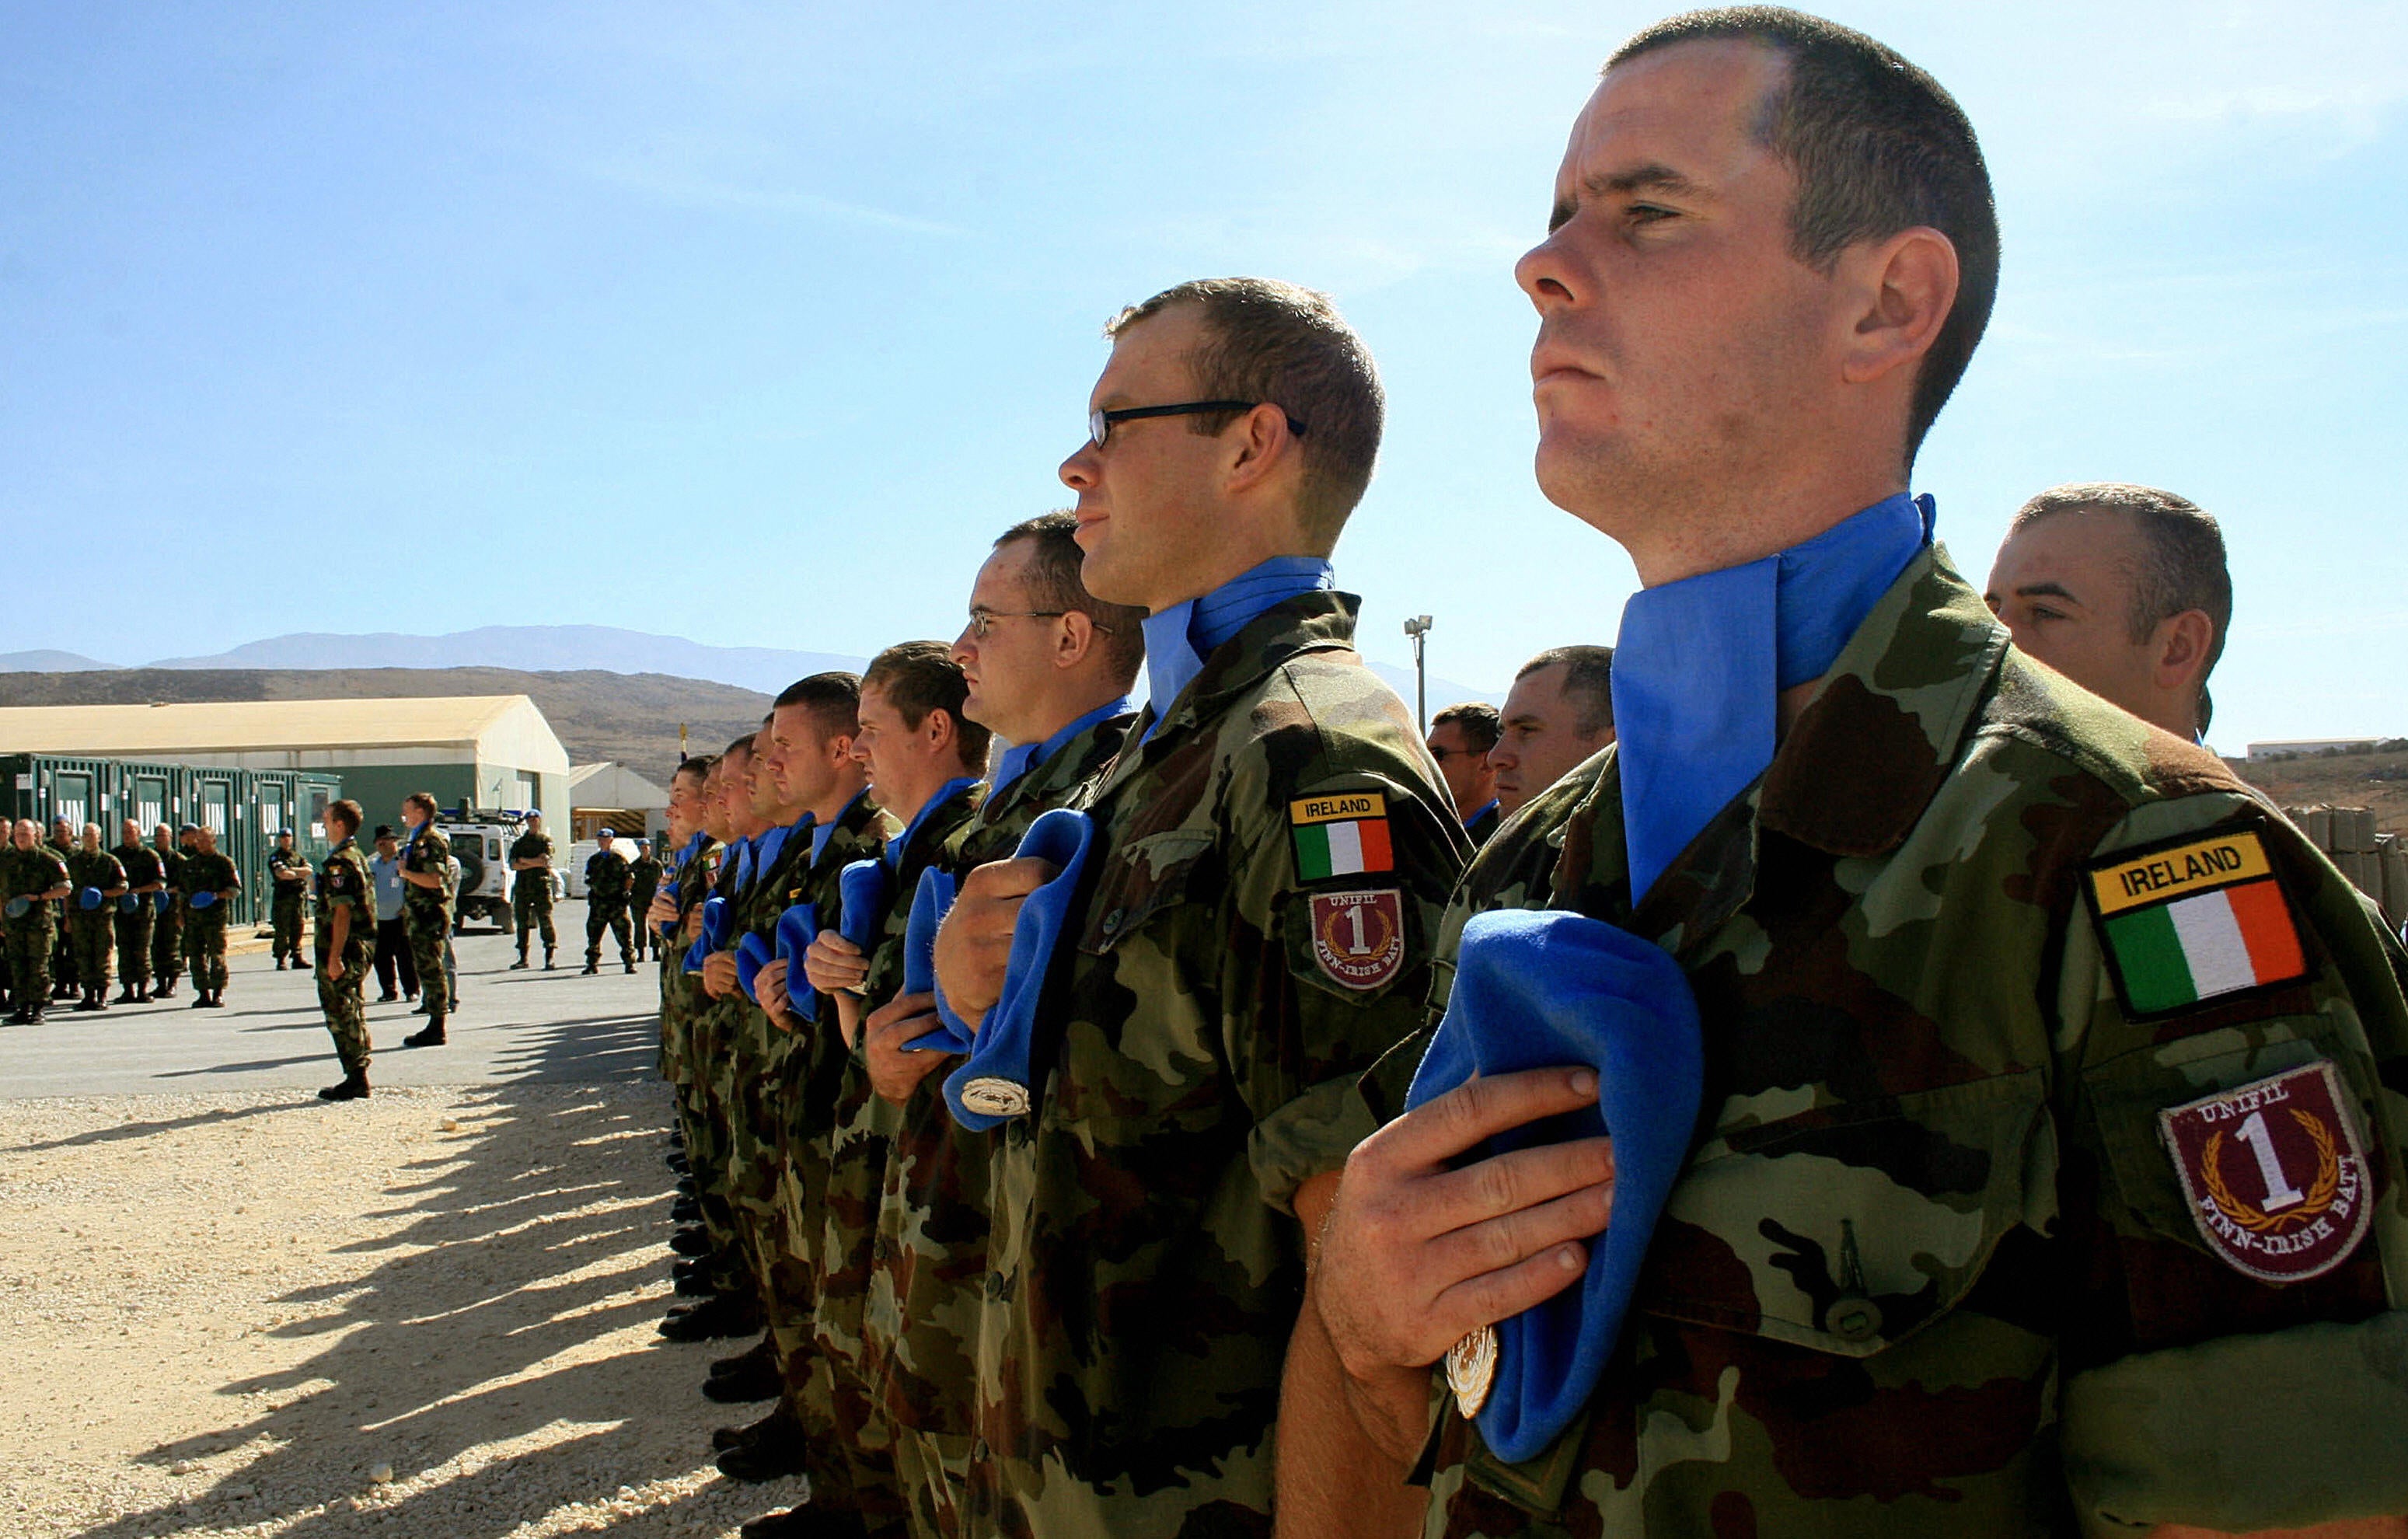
{"points": [[1416, 1253], [334, 969], [769, 989], [834, 963], [974, 943], [894, 1073], [663, 911], [719, 974]]}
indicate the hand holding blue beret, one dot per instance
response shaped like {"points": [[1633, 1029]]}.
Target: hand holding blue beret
{"points": [[797, 928], [753, 954], [929, 905], [90, 899], [862, 888], [128, 902], [1533, 990], [711, 932], [203, 899], [17, 908], [993, 1086]]}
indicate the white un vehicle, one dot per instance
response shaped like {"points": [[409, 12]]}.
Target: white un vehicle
{"points": [[481, 842]]}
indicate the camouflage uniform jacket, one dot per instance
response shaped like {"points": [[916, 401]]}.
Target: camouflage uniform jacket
{"points": [[171, 866], [210, 872], [288, 876], [93, 868], [643, 880], [1930, 1266], [814, 1065], [1209, 1009], [929, 1263], [25, 874], [430, 851], [606, 877], [343, 882], [680, 995], [532, 847], [864, 1124], [142, 865]]}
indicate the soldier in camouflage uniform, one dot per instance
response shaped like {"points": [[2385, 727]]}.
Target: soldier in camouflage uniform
{"points": [[32, 879], [923, 759], [63, 962], [1049, 668], [1272, 852], [346, 949], [1995, 984], [289, 879], [212, 884], [430, 884], [90, 935], [606, 903], [531, 856], [167, 924], [134, 921], [643, 884]]}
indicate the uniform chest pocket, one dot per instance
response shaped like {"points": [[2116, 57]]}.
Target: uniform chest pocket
{"points": [[1143, 879], [1848, 1228]]}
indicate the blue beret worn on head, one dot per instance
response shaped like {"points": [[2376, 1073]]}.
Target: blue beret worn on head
{"points": [[863, 887], [1533, 990], [797, 928], [90, 898], [753, 954], [929, 905], [17, 908], [992, 1086], [203, 899], [606, 833]]}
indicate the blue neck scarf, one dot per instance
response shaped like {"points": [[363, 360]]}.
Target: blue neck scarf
{"points": [[1701, 665], [1490, 805], [945, 793], [1178, 639], [823, 832], [773, 843], [1020, 759]]}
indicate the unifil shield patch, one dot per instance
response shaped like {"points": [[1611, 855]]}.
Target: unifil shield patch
{"points": [[2273, 1174], [2194, 921], [1358, 938]]}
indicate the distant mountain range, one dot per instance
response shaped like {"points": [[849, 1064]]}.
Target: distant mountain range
{"points": [[568, 648]]}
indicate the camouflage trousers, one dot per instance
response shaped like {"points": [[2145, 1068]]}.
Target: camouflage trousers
{"points": [[710, 1148], [856, 1162], [134, 942], [62, 967], [89, 937], [427, 929], [167, 943], [347, 1013], [205, 946], [29, 963], [647, 940], [531, 909], [608, 913], [285, 919]]}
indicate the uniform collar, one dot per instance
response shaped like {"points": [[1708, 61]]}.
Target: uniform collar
{"points": [[960, 786], [1319, 620], [1180, 639], [1020, 759]]}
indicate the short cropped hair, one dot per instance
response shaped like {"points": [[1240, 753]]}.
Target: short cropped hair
{"points": [[699, 766], [346, 813], [2182, 564], [1056, 580], [1479, 722], [1589, 680], [1272, 342], [422, 800], [1877, 146], [833, 699], [918, 677], [737, 746]]}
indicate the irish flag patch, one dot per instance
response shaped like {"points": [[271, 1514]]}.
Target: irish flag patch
{"points": [[2193, 921], [1342, 834]]}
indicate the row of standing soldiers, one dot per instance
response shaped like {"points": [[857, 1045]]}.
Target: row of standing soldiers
{"points": [[73, 914]]}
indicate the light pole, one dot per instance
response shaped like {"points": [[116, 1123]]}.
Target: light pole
{"points": [[1418, 629]]}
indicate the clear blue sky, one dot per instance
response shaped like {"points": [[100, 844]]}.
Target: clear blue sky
{"points": [[551, 307]]}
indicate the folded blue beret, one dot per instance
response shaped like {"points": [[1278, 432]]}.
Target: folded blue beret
{"points": [[17, 908], [993, 1086], [929, 906], [128, 902], [797, 928], [90, 898], [753, 954], [862, 888], [202, 899], [1533, 990]]}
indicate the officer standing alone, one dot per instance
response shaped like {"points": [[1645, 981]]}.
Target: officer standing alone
{"points": [[431, 881], [643, 882], [530, 855], [607, 885], [288, 876], [346, 950]]}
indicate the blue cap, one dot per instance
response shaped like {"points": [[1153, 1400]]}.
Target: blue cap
{"points": [[128, 902], [606, 833], [91, 898], [202, 899], [15, 908]]}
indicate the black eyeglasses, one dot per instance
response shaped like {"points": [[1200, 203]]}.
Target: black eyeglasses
{"points": [[1099, 423], [981, 620]]}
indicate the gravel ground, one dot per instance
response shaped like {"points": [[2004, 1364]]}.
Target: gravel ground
{"points": [[431, 1313]]}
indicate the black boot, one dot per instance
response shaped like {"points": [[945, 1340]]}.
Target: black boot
{"points": [[726, 1314], [774, 1450], [127, 996], [166, 989], [87, 1002], [215, 998], [693, 1240], [354, 1087], [547, 959], [593, 966], [100, 996], [200, 999], [520, 966], [431, 1036], [748, 1376]]}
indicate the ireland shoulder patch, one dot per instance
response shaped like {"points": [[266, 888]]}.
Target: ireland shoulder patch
{"points": [[2273, 1174], [2194, 920]]}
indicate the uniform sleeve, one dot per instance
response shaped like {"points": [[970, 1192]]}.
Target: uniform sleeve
{"points": [[2238, 1100], [342, 884], [1337, 894]]}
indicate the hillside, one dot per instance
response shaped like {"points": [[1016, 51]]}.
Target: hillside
{"points": [[631, 717], [2379, 781]]}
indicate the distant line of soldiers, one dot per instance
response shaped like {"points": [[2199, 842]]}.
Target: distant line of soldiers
{"points": [[74, 914]]}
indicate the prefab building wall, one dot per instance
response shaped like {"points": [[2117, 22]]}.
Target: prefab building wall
{"points": [[244, 807]]}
